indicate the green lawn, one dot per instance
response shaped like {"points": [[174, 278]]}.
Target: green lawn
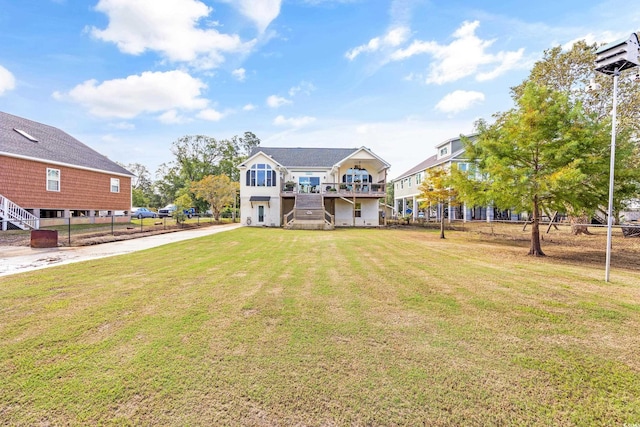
{"points": [[352, 327]]}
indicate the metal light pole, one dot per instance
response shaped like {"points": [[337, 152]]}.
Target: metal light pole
{"points": [[611, 59], [612, 164]]}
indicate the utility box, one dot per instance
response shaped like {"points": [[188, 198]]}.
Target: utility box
{"points": [[44, 238], [619, 55]]}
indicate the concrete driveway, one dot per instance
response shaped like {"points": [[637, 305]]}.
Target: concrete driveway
{"points": [[18, 259]]}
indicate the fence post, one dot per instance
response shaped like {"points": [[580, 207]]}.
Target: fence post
{"points": [[69, 228], [112, 219], [141, 221]]}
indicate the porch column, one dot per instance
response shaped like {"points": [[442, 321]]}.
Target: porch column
{"points": [[5, 208], [414, 211]]}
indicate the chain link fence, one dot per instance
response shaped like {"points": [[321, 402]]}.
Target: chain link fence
{"points": [[81, 231]]}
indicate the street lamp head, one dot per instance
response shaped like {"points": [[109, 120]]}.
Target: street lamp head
{"points": [[618, 56]]}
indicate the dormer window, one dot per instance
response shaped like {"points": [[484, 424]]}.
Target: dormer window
{"points": [[26, 135], [444, 151]]}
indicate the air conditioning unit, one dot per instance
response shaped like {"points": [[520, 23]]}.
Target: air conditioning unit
{"points": [[248, 220]]}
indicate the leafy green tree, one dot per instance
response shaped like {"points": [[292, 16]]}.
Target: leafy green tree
{"points": [[141, 184], [138, 197], [197, 156], [436, 189], [541, 154], [169, 182], [182, 202], [571, 72], [219, 191]]}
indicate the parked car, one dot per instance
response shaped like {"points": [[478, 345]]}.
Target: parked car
{"points": [[170, 209], [142, 213], [166, 211]]}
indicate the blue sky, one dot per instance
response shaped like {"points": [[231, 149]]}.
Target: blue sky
{"points": [[129, 77]]}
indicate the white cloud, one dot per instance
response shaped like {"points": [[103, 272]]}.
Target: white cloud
{"points": [[459, 100], [275, 101], [148, 92], [304, 87], [249, 107], [239, 74], [172, 117], [261, 12], [602, 37], [110, 139], [123, 126], [211, 115], [169, 27], [462, 57], [293, 121], [7, 81], [393, 38]]}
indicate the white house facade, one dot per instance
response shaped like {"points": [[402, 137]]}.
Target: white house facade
{"points": [[312, 187]]}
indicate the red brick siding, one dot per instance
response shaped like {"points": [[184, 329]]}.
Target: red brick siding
{"points": [[25, 182]]}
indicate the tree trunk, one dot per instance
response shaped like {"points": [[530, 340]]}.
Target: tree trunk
{"points": [[579, 225], [442, 220], [535, 249]]}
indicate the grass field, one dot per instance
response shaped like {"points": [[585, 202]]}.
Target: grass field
{"points": [[267, 327]]}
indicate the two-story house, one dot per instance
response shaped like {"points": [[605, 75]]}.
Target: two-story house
{"points": [[407, 186], [312, 187]]}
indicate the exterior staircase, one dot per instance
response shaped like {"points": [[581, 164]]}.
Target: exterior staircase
{"points": [[309, 214], [13, 216]]}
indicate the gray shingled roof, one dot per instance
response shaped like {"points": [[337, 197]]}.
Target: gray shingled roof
{"points": [[306, 157], [53, 145]]}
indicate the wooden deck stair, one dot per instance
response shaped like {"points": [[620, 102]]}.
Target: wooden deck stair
{"points": [[309, 213]]}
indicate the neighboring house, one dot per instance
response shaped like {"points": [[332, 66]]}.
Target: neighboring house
{"points": [[407, 187], [47, 176], [312, 187]]}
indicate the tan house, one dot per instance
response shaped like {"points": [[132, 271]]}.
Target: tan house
{"points": [[47, 176], [314, 188]]}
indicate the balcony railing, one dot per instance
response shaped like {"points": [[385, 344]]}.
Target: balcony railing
{"points": [[339, 189]]}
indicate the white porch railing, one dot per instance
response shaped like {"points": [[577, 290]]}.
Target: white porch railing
{"points": [[10, 212]]}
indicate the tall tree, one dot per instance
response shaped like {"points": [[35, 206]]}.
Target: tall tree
{"points": [[219, 191], [541, 154], [196, 156], [436, 189], [141, 184], [571, 71]]}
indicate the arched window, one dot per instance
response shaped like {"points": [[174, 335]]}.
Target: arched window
{"points": [[356, 174], [261, 175]]}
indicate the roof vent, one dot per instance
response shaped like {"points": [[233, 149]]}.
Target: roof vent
{"points": [[26, 135]]}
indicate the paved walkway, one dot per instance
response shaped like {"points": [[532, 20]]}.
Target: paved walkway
{"points": [[18, 259]]}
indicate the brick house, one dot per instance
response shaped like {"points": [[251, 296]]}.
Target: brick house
{"points": [[46, 176]]}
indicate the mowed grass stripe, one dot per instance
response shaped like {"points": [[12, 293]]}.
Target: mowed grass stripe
{"points": [[274, 327]]}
